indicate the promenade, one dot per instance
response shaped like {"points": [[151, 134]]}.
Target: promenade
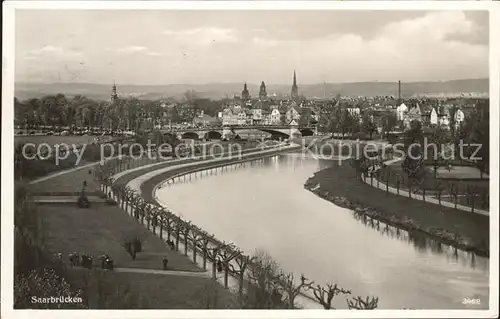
{"points": [[100, 229]]}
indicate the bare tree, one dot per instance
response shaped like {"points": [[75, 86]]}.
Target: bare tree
{"points": [[242, 261], [132, 243], [196, 236], [205, 241], [264, 290], [291, 289], [369, 303], [186, 229], [212, 254], [228, 253], [325, 295]]}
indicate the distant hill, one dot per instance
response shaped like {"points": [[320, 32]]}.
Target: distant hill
{"points": [[219, 90]]}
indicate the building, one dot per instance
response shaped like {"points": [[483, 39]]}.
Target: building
{"points": [[275, 117], [434, 120], [241, 117], [292, 114], [444, 116], [414, 114], [401, 111], [204, 120], [262, 91], [229, 117], [295, 90], [458, 117], [114, 95], [245, 94]]}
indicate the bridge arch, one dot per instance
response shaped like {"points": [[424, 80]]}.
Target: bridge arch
{"points": [[276, 134], [169, 136], [213, 135], [190, 136], [306, 132]]}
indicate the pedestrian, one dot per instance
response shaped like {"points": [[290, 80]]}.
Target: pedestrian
{"points": [[165, 263], [219, 265]]}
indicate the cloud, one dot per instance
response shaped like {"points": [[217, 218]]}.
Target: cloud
{"points": [[133, 49], [203, 36], [51, 51]]}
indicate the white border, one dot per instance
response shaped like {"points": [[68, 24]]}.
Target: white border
{"points": [[8, 141]]}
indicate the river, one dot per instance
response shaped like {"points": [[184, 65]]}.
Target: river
{"points": [[264, 205]]}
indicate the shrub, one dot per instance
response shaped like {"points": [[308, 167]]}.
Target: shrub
{"points": [[83, 202]]}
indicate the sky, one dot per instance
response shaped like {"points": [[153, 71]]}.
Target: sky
{"points": [[159, 47]]}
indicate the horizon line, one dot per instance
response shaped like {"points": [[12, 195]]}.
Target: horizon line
{"points": [[250, 83]]}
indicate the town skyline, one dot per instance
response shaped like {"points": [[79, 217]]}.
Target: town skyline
{"points": [[200, 47]]}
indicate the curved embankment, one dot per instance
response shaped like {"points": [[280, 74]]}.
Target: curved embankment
{"points": [[460, 229], [147, 183]]}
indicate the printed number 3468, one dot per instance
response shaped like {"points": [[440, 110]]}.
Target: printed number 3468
{"points": [[468, 301]]}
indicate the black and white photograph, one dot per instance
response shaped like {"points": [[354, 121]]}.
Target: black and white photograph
{"points": [[329, 158]]}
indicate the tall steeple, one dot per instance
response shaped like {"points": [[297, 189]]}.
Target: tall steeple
{"points": [[245, 95], [262, 92], [114, 96], [295, 89]]}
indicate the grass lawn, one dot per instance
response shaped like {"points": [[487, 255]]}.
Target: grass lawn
{"points": [[101, 229], [154, 291], [445, 179], [71, 182]]}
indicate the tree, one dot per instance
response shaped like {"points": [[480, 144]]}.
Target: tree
{"points": [[368, 125], [227, 254], [264, 290], [369, 303], [132, 242], [242, 261], [325, 295], [195, 236], [291, 289], [439, 139], [480, 135], [413, 162], [389, 122]]}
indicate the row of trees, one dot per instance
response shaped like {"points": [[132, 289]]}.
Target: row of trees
{"points": [[262, 284], [59, 110], [345, 122]]}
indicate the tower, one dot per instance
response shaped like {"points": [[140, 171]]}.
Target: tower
{"points": [[245, 95], [295, 89], [262, 91], [399, 92], [114, 96]]}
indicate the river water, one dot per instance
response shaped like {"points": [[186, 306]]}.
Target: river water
{"points": [[263, 205]]}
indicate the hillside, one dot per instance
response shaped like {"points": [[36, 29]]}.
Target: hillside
{"points": [[220, 90]]}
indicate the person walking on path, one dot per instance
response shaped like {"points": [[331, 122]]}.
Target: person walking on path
{"points": [[165, 263]]}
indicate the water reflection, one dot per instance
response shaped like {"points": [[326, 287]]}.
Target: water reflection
{"points": [[421, 242], [263, 204], [418, 240]]}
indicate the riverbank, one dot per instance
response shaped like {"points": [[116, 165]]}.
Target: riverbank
{"points": [[339, 184]]}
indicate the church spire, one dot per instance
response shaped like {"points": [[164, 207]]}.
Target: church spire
{"points": [[262, 92], [114, 95], [245, 95], [295, 89]]}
